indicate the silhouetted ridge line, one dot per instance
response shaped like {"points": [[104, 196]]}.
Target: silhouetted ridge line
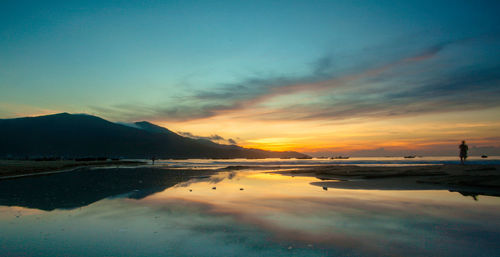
{"points": [[81, 135]]}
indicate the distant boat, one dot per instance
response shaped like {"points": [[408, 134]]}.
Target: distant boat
{"points": [[484, 156], [304, 157], [341, 157], [410, 156]]}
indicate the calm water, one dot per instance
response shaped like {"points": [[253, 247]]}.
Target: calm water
{"points": [[360, 161], [161, 212]]}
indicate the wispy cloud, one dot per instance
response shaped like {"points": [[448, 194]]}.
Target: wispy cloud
{"points": [[471, 90], [338, 96], [214, 138]]}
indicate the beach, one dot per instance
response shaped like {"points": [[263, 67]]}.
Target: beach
{"points": [[469, 179], [407, 176], [21, 168]]}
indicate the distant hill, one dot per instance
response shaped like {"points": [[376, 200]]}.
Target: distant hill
{"points": [[81, 135]]}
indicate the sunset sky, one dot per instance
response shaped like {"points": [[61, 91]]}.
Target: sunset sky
{"points": [[321, 77]]}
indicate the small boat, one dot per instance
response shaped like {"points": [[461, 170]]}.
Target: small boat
{"points": [[341, 157], [410, 156], [484, 156]]}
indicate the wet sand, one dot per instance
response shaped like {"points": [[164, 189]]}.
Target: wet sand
{"points": [[15, 168], [83, 186], [466, 179]]}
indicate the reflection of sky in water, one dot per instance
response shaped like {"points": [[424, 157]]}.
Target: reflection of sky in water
{"points": [[272, 215]]}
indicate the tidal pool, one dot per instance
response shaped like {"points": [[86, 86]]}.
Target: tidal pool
{"points": [[161, 212]]}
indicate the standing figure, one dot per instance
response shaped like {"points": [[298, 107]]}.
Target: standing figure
{"points": [[153, 160], [463, 152]]}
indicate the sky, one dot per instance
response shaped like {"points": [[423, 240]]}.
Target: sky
{"points": [[320, 77]]}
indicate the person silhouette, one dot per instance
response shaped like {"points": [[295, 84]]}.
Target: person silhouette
{"points": [[463, 152]]}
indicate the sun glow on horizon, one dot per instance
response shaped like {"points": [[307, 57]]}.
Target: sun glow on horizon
{"points": [[420, 133]]}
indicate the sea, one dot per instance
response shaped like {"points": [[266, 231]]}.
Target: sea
{"points": [[358, 161]]}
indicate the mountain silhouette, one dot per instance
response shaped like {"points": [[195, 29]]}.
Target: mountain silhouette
{"points": [[81, 135]]}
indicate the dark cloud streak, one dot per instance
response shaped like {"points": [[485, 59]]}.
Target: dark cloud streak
{"points": [[213, 138], [431, 93], [472, 90]]}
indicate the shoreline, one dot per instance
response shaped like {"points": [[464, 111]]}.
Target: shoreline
{"points": [[12, 169], [475, 179], [469, 180]]}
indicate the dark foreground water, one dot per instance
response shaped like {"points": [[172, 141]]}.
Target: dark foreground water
{"points": [[160, 212]]}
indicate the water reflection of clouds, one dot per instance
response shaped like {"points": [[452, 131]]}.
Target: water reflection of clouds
{"points": [[370, 221], [371, 227], [274, 215], [208, 179]]}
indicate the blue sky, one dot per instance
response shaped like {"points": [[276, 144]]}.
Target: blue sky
{"points": [[177, 61]]}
